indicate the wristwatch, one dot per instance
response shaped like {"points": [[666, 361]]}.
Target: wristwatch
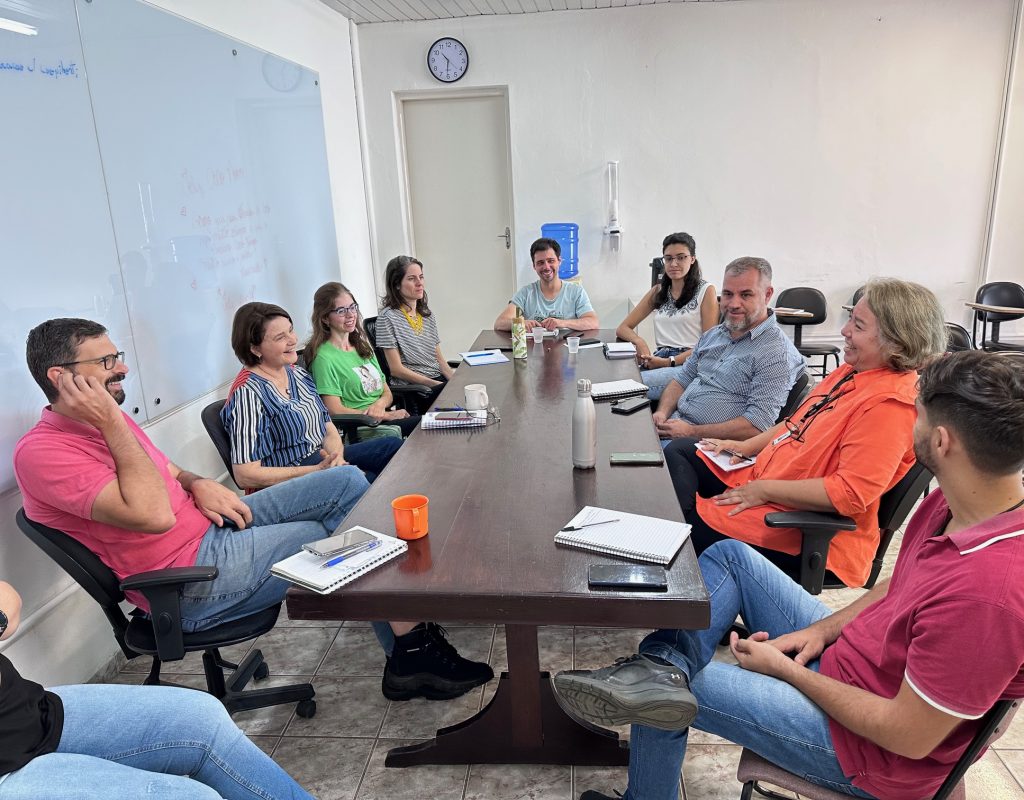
{"points": [[4, 622]]}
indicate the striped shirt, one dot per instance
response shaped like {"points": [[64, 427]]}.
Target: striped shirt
{"points": [[266, 427], [749, 377], [418, 351]]}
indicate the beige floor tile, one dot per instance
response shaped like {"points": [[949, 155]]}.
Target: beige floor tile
{"points": [[990, 779], [354, 652], [420, 719], [519, 782], [295, 651], [1013, 760], [599, 647], [269, 721], [347, 707], [266, 743], [1013, 739], [329, 769], [709, 772], [447, 782], [606, 780]]}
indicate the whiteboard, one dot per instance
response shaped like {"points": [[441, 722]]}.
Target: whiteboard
{"points": [[158, 176]]}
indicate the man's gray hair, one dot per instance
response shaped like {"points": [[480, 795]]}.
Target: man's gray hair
{"points": [[746, 263]]}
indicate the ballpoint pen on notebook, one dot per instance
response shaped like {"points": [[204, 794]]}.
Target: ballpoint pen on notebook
{"points": [[335, 561], [586, 525]]}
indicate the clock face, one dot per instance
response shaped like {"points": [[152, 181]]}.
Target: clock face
{"points": [[447, 59]]}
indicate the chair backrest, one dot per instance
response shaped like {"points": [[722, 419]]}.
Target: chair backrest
{"points": [[994, 724], [857, 295], [219, 436], [370, 326], [959, 338], [806, 298], [657, 268], [1000, 293], [86, 568], [797, 394]]}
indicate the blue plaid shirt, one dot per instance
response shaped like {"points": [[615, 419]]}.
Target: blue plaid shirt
{"points": [[746, 377]]}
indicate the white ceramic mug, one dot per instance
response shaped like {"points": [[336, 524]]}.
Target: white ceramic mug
{"points": [[476, 397]]}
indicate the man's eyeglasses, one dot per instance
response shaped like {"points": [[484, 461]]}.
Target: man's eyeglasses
{"points": [[826, 403], [672, 259], [342, 311], [108, 362]]}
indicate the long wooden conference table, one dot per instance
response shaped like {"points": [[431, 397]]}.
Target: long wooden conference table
{"points": [[498, 495]]}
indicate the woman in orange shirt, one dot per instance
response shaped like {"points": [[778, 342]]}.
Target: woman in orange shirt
{"points": [[849, 443]]}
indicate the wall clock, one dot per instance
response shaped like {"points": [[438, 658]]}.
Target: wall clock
{"points": [[447, 59]]}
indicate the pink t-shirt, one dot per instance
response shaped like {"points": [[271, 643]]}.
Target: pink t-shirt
{"points": [[952, 624], [61, 466]]}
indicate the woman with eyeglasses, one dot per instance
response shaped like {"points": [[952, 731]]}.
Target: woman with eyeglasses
{"points": [[848, 443], [407, 330], [274, 416], [684, 306], [339, 354]]}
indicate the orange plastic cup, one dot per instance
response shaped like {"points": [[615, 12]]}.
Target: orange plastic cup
{"points": [[411, 515]]}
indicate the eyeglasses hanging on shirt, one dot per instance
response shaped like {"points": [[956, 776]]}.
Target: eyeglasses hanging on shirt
{"points": [[827, 402]]}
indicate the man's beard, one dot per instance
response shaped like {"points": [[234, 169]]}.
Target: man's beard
{"points": [[118, 395]]}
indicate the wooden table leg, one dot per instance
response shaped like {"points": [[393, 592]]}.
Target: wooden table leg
{"points": [[523, 723]]}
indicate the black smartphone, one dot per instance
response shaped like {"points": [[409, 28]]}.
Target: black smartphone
{"points": [[628, 577], [585, 342], [630, 404]]}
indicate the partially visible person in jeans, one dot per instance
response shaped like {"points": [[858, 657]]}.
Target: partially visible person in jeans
{"points": [[739, 375], [880, 699], [848, 443], [88, 470], [407, 330], [685, 306], [123, 741]]}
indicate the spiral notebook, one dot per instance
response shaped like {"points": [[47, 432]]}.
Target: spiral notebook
{"points": [[306, 569], [609, 390], [632, 536]]}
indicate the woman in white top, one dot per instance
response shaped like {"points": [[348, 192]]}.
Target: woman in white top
{"points": [[684, 306]]}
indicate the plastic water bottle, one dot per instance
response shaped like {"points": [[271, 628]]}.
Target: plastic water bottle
{"points": [[584, 427], [518, 335]]}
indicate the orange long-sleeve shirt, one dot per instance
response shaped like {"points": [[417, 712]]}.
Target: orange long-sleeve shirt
{"points": [[861, 447]]}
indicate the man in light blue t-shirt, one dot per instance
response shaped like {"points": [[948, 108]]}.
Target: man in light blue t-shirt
{"points": [[549, 302]]}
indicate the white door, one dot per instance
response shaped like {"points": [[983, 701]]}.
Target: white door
{"points": [[460, 208]]}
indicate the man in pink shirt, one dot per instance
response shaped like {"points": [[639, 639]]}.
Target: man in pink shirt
{"points": [[877, 700], [87, 469]]}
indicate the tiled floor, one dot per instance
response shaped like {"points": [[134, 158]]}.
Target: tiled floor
{"points": [[339, 753]]}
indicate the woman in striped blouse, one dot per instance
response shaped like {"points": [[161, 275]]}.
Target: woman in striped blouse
{"points": [[407, 330], [275, 419]]}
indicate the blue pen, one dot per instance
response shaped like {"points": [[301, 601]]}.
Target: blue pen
{"points": [[335, 561]]}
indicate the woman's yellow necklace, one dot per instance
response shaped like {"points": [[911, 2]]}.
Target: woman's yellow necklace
{"points": [[415, 322]]}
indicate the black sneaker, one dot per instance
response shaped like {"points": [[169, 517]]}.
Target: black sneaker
{"points": [[424, 664]]}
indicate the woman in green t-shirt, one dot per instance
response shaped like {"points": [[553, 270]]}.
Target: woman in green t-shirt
{"points": [[340, 357]]}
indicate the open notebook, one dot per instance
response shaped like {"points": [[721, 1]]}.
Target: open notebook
{"points": [[305, 569], [633, 536]]}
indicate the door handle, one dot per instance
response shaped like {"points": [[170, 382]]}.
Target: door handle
{"points": [[507, 236]]}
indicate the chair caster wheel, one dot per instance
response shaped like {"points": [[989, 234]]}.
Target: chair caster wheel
{"points": [[306, 708], [262, 671]]}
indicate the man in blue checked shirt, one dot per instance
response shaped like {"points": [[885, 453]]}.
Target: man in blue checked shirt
{"points": [[737, 380]]}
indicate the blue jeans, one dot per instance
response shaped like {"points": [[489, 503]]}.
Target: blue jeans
{"points": [[284, 517], [657, 379], [149, 741], [370, 456], [764, 714]]}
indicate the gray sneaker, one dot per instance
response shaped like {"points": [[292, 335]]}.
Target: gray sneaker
{"points": [[633, 690]]}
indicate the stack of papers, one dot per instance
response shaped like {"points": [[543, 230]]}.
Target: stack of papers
{"points": [[724, 460], [480, 357], [619, 350], [453, 419]]}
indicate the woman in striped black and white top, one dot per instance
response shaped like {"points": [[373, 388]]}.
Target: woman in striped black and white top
{"points": [[275, 419], [407, 329]]}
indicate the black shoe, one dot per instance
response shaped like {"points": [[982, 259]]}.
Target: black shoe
{"points": [[636, 690], [424, 664]]}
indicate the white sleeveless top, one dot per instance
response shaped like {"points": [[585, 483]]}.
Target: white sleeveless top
{"points": [[679, 327]]}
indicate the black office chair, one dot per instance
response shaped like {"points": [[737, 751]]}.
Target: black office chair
{"points": [[818, 529], [657, 269], [812, 301], [160, 635], [999, 293], [797, 394], [959, 338], [753, 769]]}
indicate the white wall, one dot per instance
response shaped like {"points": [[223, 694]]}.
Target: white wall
{"points": [[64, 636], [839, 139]]}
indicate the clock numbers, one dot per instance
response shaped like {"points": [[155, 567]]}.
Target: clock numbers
{"points": [[447, 59]]}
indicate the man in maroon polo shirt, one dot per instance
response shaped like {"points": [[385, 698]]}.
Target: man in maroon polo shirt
{"points": [[880, 699]]}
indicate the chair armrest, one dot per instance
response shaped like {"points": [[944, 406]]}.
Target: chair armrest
{"points": [[454, 362], [817, 528], [411, 389], [354, 420], [162, 589]]}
